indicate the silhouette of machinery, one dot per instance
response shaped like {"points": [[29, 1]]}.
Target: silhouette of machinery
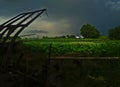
{"points": [[9, 32], [14, 27]]}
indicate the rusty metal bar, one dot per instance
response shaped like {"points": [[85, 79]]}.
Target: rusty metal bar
{"points": [[9, 20], [15, 36], [19, 23], [9, 28]]}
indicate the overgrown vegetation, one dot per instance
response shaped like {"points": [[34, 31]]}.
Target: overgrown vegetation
{"points": [[31, 56], [90, 73]]}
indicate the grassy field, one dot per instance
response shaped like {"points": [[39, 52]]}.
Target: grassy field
{"points": [[77, 73], [77, 47], [31, 60]]}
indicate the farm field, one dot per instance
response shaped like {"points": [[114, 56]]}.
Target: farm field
{"points": [[75, 47], [34, 54], [77, 73]]}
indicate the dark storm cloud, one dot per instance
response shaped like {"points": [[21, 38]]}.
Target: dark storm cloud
{"points": [[103, 14], [38, 31], [12, 7]]}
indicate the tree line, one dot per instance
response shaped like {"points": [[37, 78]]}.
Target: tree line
{"points": [[90, 31]]}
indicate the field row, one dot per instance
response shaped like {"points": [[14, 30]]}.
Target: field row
{"points": [[75, 47]]}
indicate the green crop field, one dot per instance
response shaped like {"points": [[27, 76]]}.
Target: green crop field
{"points": [[31, 57], [86, 73], [80, 47]]}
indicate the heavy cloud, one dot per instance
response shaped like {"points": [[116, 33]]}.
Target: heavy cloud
{"points": [[66, 16]]}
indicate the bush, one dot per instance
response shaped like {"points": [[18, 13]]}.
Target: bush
{"points": [[114, 33]]}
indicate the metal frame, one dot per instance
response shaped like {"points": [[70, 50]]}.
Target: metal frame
{"points": [[17, 23]]}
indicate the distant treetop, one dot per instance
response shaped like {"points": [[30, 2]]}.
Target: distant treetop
{"points": [[89, 31]]}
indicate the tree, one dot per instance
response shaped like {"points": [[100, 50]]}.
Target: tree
{"points": [[114, 33], [89, 31]]}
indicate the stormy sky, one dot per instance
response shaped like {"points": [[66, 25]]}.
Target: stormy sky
{"points": [[65, 16]]}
